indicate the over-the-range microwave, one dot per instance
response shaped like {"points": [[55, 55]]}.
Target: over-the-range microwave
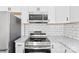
{"points": [[38, 18]]}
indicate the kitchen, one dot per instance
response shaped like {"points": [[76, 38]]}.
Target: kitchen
{"points": [[57, 25]]}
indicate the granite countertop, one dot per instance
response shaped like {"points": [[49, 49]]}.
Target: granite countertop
{"points": [[67, 42], [22, 39]]}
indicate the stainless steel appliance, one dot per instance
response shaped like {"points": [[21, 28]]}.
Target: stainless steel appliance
{"points": [[37, 42], [10, 30], [38, 18]]}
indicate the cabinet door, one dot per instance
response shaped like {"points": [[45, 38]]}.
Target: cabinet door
{"points": [[57, 48], [51, 15], [68, 50], [19, 47], [61, 14], [74, 13]]}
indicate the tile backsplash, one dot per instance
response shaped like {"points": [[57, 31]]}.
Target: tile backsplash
{"points": [[50, 30], [69, 30], [72, 30]]}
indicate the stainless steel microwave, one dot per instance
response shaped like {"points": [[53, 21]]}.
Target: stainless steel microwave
{"points": [[38, 18]]}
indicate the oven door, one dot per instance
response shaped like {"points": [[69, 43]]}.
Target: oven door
{"points": [[37, 51]]}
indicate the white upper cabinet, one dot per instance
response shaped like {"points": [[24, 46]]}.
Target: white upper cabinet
{"points": [[58, 14], [3, 8], [12, 9], [51, 14], [39, 10], [74, 13], [61, 14], [15, 9]]}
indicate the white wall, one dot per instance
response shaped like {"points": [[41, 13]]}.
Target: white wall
{"points": [[3, 8]]}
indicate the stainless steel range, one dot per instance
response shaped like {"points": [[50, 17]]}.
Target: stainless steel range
{"points": [[37, 42]]}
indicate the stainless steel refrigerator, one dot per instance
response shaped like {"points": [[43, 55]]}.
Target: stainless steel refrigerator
{"points": [[10, 30]]}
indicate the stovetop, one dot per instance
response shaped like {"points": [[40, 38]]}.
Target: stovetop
{"points": [[37, 40]]}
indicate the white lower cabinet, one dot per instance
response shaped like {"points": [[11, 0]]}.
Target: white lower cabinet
{"points": [[60, 48], [19, 48], [67, 50], [57, 48]]}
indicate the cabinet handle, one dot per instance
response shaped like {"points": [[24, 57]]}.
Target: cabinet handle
{"points": [[27, 20], [65, 50], [52, 46], [19, 45], [67, 18]]}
